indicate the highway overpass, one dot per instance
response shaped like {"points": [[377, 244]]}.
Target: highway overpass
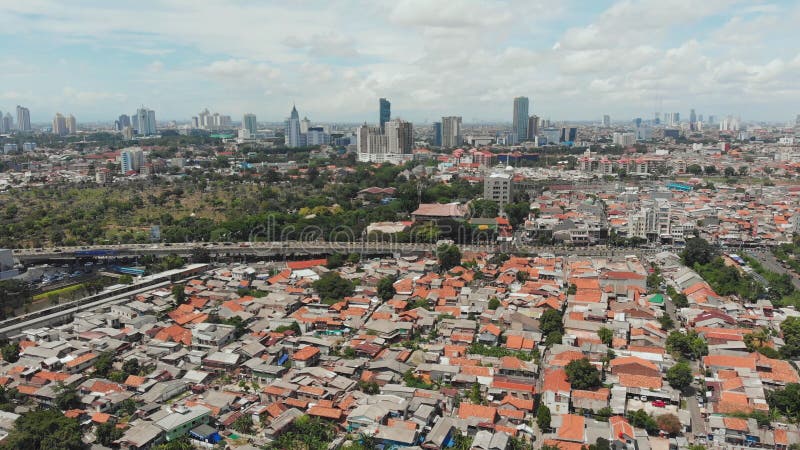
{"points": [[294, 249]]}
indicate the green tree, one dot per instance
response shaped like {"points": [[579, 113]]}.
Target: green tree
{"points": [[103, 364], [332, 288], [125, 279], [107, 433], [666, 322], [517, 213], [449, 256], [475, 395], [10, 352], [244, 424], [550, 321], [729, 171], [679, 375], [131, 366], [66, 397], [710, 170], [694, 169], [582, 374], [790, 328], [786, 400], [606, 335], [44, 429], [697, 251], [689, 345], [494, 303], [543, 417], [640, 419], [386, 288], [600, 444], [179, 293]]}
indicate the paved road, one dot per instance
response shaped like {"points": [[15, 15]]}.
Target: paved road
{"points": [[698, 422], [772, 264]]}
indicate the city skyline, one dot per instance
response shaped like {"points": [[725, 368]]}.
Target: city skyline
{"points": [[620, 58]]}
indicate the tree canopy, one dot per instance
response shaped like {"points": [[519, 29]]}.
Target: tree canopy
{"points": [[449, 256], [679, 375], [44, 429], [582, 374], [332, 288], [689, 345], [697, 251]]}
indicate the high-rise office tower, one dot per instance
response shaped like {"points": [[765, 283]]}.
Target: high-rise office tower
{"points": [[606, 121], [59, 125], [520, 120], [437, 134], [400, 136], [451, 131], [293, 129], [305, 124], [8, 122], [151, 121], [384, 112], [568, 134], [23, 118], [797, 121], [145, 122], [533, 127], [72, 124], [124, 121], [249, 123], [2, 123], [692, 116]]}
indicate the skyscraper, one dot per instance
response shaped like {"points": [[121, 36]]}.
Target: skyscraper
{"points": [[2, 123], [249, 123], [23, 118], [59, 125], [123, 121], [451, 131], [72, 124], [533, 127], [293, 129], [400, 136], [384, 112], [131, 159], [606, 121], [520, 120], [437, 134], [8, 123], [568, 134], [145, 122]]}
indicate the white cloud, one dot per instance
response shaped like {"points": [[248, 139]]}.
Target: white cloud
{"points": [[430, 58]]}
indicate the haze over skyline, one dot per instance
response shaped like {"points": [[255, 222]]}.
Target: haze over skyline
{"points": [[574, 60]]}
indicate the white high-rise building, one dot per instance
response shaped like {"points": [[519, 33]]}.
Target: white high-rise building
{"points": [[59, 125], [305, 124], [131, 159], [72, 124], [400, 136], [23, 118], [451, 131], [606, 121], [623, 139], [145, 121], [7, 123]]}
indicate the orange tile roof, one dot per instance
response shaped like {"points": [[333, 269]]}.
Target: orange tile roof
{"points": [[572, 428], [599, 394], [81, 359], [134, 381], [645, 381], [620, 427], [516, 402], [328, 413], [467, 410], [305, 353], [556, 380], [729, 361], [735, 423], [99, 417]]}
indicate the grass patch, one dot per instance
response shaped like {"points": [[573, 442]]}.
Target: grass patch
{"points": [[59, 292]]}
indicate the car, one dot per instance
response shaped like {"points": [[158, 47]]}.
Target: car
{"points": [[659, 403]]}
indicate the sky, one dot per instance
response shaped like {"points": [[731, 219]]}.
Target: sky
{"points": [[575, 60]]}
